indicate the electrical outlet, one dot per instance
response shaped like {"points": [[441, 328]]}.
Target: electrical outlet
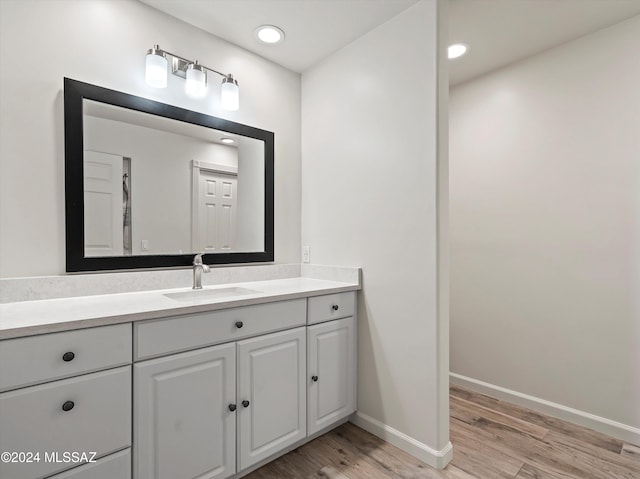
{"points": [[306, 254], [144, 245]]}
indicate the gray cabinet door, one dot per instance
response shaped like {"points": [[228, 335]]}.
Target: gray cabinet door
{"points": [[86, 414], [331, 349], [183, 426], [271, 394]]}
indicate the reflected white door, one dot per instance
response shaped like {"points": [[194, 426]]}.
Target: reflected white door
{"points": [[103, 223], [216, 225]]}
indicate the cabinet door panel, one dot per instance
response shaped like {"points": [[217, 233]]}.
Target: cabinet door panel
{"points": [[183, 426], [331, 350], [271, 376]]}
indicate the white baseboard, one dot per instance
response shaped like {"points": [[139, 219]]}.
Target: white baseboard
{"points": [[434, 458], [606, 426]]}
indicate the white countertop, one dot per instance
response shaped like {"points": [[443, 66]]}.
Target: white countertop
{"points": [[28, 318]]}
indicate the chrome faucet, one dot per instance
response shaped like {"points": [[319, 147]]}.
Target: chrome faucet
{"points": [[198, 268]]}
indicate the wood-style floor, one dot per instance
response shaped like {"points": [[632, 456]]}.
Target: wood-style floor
{"points": [[491, 439]]}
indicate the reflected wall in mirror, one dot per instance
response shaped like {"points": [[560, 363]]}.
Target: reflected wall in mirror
{"points": [[150, 185]]}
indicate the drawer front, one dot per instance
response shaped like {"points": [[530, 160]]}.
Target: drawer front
{"points": [[331, 306], [160, 337], [33, 420], [34, 359], [115, 466]]}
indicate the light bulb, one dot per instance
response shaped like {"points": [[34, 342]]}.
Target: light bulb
{"points": [[457, 50], [230, 94], [196, 80], [156, 68], [269, 34]]}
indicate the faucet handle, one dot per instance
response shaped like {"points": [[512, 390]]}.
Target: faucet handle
{"points": [[197, 260]]}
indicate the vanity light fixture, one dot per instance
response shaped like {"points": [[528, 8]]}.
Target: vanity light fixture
{"points": [[269, 34], [196, 80], [156, 68], [457, 50], [193, 72]]}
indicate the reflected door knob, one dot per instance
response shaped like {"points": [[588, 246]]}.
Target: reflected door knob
{"points": [[245, 403], [68, 356], [68, 406], [335, 307]]}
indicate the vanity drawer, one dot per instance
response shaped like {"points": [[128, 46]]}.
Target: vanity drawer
{"points": [[159, 337], [97, 419], [331, 306], [115, 466], [35, 359]]}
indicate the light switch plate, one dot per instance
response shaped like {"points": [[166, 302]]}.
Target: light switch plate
{"points": [[306, 254]]}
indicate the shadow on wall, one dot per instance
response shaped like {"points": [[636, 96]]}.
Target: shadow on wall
{"points": [[372, 366]]}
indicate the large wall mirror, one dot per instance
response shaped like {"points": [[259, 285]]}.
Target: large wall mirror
{"points": [[149, 185]]}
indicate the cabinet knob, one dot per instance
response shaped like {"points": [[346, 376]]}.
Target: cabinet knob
{"points": [[314, 379], [232, 407], [239, 324], [335, 307], [245, 403], [68, 356], [68, 406]]}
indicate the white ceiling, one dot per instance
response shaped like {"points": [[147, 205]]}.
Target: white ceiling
{"points": [[498, 31], [314, 29]]}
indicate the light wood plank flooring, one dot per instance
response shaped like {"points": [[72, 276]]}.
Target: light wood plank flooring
{"points": [[491, 439]]}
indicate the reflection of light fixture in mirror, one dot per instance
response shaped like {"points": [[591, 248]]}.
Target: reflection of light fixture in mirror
{"points": [[269, 34], [457, 50], [193, 72], [227, 140]]}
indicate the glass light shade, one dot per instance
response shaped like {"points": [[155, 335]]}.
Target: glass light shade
{"points": [[230, 94], [269, 34], [156, 70], [196, 81]]}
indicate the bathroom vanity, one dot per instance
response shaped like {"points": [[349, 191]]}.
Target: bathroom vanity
{"points": [[174, 383]]}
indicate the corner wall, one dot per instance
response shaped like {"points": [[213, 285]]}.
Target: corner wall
{"points": [[545, 231], [370, 169], [104, 42]]}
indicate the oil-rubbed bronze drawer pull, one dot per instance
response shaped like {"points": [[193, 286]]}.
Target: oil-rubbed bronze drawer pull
{"points": [[68, 356]]}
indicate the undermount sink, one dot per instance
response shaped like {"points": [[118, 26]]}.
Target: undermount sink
{"points": [[210, 293]]}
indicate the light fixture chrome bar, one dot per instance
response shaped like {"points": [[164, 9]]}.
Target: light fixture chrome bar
{"points": [[183, 63]]}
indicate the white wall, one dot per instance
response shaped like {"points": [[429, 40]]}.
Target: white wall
{"points": [[161, 181], [545, 227], [104, 42], [369, 198]]}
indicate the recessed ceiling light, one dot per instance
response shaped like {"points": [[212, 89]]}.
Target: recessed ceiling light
{"points": [[269, 34], [457, 50], [227, 140]]}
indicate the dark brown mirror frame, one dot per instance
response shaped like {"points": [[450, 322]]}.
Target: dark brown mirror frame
{"points": [[76, 261]]}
